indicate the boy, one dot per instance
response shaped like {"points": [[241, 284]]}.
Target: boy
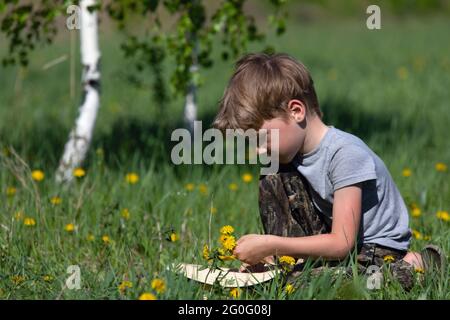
{"points": [[331, 192]]}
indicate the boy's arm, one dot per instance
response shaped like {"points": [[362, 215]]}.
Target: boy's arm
{"points": [[335, 245]]}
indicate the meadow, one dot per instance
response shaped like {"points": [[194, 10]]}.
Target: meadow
{"points": [[130, 212]]}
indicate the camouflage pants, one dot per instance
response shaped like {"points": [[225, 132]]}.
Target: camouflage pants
{"points": [[286, 210]]}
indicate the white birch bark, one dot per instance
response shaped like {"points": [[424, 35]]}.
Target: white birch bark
{"points": [[190, 106], [80, 137]]}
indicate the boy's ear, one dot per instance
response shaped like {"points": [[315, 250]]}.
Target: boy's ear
{"points": [[297, 110]]}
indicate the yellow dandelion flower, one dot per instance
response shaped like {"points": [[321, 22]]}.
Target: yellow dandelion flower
{"points": [[125, 213], [388, 258], [227, 257], [213, 210], [286, 263], [247, 177], [29, 222], [37, 175], [287, 260], [147, 296], [90, 237], [174, 237], [55, 200], [235, 293], [203, 189], [289, 288], [18, 215], [189, 186], [402, 73], [106, 239], [47, 278], [441, 167], [222, 238], [124, 285], [406, 172], [10, 191], [417, 235], [227, 230], [224, 255], [233, 186], [17, 279], [158, 285], [70, 227], [416, 212], [443, 215], [419, 270], [229, 243], [79, 172], [206, 253], [132, 178]]}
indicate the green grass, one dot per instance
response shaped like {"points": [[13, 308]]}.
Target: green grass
{"points": [[363, 88]]}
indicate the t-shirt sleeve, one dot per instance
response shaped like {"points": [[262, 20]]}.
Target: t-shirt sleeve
{"points": [[351, 164]]}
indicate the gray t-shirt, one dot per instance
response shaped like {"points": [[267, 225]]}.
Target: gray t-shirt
{"points": [[342, 159]]}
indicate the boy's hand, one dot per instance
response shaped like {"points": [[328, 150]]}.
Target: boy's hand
{"points": [[259, 267], [253, 248]]}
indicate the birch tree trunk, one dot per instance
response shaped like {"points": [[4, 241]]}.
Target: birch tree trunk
{"points": [[80, 137], [190, 107]]}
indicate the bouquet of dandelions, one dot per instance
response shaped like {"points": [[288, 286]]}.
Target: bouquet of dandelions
{"points": [[217, 255]]}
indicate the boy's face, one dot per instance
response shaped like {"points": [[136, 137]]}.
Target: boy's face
{"points": [[291, 137]]}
